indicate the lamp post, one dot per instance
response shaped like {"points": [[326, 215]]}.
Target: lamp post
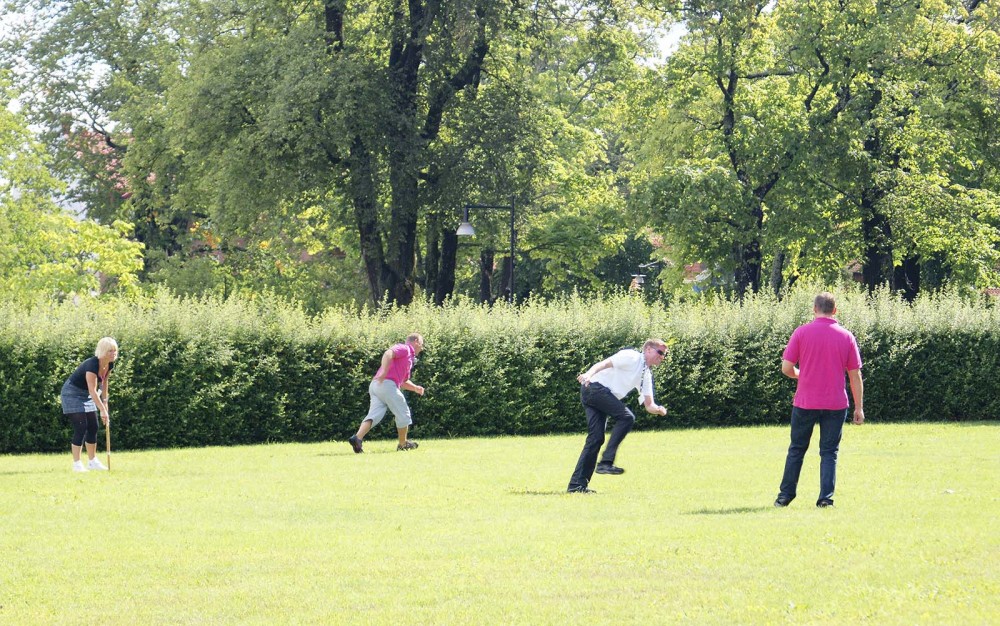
{"points": [[465, 230], [638, 280]]}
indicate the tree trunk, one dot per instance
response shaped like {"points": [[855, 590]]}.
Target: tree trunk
{"points": [[876, 231], [402, 235], [748, 255], [747, 275], [361, 184], [439, 262], [390, 264], [486, 266], [505, 279], [906, 277], [432, 261], [445, 283], [777, 268], [404, 154], [877, 237]]}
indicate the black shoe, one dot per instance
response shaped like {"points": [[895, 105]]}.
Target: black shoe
{"points": [[356, 444], [409, 445], [782, 502], [608, 468], [825, 504], [580, 490]]}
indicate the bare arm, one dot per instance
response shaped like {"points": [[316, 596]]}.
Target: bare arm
{"points": [[409, 386], [652, 407], [788, 369], [858, 392], [95, 395], [585, 377]]}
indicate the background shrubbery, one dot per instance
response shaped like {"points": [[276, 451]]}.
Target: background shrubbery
{"points": [[208, 372]]}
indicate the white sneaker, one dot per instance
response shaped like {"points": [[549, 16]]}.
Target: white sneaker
{"points": [[95, 464], [78, 466]]}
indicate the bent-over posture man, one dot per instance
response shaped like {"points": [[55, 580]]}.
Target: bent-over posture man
{"points": [[386, 393], [602, 388], [823, 350]]}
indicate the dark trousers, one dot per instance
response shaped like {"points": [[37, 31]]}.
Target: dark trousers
{"points": [[84, 427], [600, 404], [831, 427]]}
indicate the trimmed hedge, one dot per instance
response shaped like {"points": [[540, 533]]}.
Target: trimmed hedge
{"points": [[205, 372]]}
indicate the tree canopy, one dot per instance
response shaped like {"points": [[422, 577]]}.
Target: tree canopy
{"points": [[324, 150]]}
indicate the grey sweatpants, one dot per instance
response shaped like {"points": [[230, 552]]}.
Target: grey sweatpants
{"points": [[386, 395]]}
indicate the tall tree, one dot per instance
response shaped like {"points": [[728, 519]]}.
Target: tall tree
{"points": [[294, 100], [736, 122], [813, 134], [906, 152]]}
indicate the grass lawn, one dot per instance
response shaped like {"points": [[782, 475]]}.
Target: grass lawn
{"points": [[480, 531]]}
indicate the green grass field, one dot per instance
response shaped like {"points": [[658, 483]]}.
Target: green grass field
{"points": [[480, 531]]}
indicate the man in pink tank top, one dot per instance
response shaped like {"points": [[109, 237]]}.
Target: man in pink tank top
{"points": [[817, 356]]}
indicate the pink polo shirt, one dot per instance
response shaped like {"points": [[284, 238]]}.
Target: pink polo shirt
{"points": [[402, 362], [824, 351]]}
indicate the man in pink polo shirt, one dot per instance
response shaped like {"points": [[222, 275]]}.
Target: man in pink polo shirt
{"points": [[817, 356], [386, 392]]}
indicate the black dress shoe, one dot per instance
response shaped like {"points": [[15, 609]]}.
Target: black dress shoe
{"points": [[782, 502], [580, 490], [824, 504], [608, 468], [355, 444]]}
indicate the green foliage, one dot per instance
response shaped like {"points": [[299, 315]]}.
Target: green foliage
{"points": [[222, 372], [808, 135], [375, 121], [780, 140], [45, 253]]}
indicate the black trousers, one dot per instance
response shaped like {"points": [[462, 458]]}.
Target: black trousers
{"points": [[600, 404], [84, 427]]}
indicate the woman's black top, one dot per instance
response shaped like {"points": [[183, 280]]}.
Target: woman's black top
{"points": [[79, 377]]}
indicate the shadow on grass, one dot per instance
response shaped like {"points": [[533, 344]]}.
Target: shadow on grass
{"points": [[736, 510], [349, 452], [532, 492]]}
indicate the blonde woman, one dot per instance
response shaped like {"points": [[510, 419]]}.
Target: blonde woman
{"points": [[84, 394]]}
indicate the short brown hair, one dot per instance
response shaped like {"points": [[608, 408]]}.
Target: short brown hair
{"points": [[825, 304], [659, 344]]}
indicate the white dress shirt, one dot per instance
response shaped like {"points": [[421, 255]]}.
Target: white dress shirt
{"points": [[628, 371]]}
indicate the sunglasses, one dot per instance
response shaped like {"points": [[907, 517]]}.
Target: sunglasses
{"points": [[660, 352]]}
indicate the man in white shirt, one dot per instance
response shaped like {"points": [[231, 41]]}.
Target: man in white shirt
{"points": [[602, 388]]}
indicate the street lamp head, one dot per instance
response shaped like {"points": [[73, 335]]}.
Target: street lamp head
{"points": [[465, 229]]}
